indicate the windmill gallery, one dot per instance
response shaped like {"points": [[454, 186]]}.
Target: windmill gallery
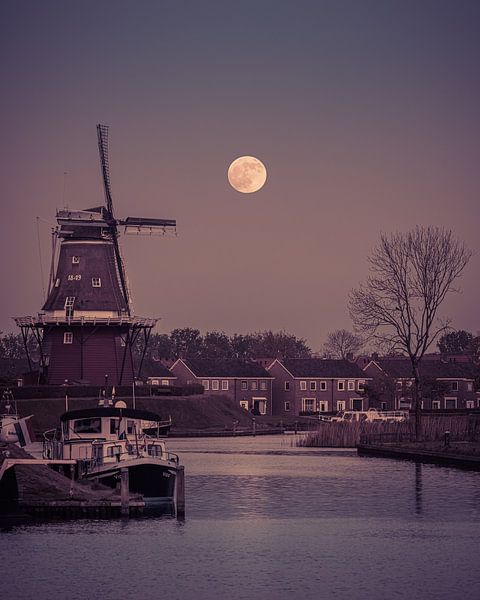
{"points": [[86, 329]]}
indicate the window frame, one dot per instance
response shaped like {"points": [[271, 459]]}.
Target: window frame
{"points": [[215, 385], [68, 337], [342, 383], [206, 384], [303, 385], [224, 385], [96, 282]]}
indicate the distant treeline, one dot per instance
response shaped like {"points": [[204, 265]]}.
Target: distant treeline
{"points": [[190, 343]]}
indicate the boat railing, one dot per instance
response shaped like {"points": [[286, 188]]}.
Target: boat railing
{"points": [[52, 446], [131, 452]]}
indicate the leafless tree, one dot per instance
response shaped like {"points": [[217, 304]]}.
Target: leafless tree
{"points": [[340, 343], [411, 274]]}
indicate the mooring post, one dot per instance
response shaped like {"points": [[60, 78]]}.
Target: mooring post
{"points": [[254, 426], [179, 492], [124, 493]]}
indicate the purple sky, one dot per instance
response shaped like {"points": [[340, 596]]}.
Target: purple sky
{"points": [[364, 113]]}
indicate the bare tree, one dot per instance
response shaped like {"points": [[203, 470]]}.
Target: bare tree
{"points": [[411, 274], [340, 343]]}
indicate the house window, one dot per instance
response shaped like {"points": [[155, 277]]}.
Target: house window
{"points": [[322, 406], [435, 404], [206, 384], [130, 427], [68, 337], [215, 384], [263, 385], [308, 404], [303, 385], [287, 406], [254, 385], [351, 386], [323, 386], [450, 403], [357, 404], [287, 386], [165, 382], [75, 260], [313, 386], [470, 404], [341, 405], [383, 406], [244, 404], [361, 385], [469, 387], [244, 385], [224, 384], [340, 386], [96, 282], [454, 386]]}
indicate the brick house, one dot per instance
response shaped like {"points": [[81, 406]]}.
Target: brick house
{"points": [[246, 382], [447, 385], [161, 375], [316, 385]]}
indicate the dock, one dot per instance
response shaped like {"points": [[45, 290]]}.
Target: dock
{"points": [[445, 457]]}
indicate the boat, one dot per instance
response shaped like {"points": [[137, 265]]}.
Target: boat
{"points": [[105, 440], [14, 429]]}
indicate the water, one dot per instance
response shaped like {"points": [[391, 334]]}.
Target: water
{"points": [[266, 520]]}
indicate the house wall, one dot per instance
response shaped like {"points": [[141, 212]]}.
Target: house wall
{"points": [[300, 400], [235, 390]]}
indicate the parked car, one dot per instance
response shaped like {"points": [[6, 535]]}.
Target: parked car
{"points": [[370, 415]]}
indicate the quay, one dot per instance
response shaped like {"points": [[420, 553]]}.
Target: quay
{"points": [[456, 456], [28, 485]]}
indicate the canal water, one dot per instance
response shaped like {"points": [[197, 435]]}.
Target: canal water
{"points": [[267, 520]]}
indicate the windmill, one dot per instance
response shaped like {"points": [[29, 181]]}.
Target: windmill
{"points": [[87, 329]]}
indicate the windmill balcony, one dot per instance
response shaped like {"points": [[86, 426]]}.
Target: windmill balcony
{"points": [[97, 319]]}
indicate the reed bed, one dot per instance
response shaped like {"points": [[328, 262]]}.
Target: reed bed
{"points": [[348, 434]]}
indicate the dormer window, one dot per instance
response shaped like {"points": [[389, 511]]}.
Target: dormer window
{"points": [[75, 260], [96, 282]]}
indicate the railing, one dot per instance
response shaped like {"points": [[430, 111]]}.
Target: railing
{"points": [[42, 319]]}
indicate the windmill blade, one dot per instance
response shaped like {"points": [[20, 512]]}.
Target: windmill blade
{"points": [[148, 226], [102, 134], [121, 270]]}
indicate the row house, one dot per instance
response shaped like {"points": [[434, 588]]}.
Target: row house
{"points": [[163, 376], [316, 385], [446, 385], [246, 382]]}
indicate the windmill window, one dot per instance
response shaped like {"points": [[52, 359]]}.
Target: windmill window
{"points": [[57, 281], [69, 301], [68, 337], [75, 260], [96, 282]]}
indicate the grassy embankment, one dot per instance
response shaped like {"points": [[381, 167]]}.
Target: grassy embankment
{"points": [[463, 428], [188, 413]]}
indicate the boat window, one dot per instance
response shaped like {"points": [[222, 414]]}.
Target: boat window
{"points": [[114, 424], [130, 426], [87, 426], [114, 450], [155, 450]]}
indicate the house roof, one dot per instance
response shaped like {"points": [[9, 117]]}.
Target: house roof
{"points": [[157, 369], [320, 367], [432, 369], [212, 367]]}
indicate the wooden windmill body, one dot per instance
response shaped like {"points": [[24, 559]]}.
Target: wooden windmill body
{"points": [[87, 329]]}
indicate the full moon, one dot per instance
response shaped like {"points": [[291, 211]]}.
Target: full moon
{"points": [[247, 174]]}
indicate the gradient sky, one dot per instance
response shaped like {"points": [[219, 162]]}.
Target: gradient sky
{"points": [[365, 113]]}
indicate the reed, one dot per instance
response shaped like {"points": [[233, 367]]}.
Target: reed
{"points": [[347, 434]]}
